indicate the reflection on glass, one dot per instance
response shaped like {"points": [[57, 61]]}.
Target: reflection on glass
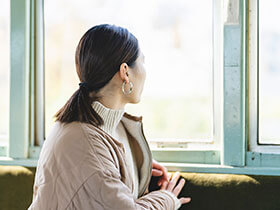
{"points": [[176, 38], [269, 72], [4, 70]]}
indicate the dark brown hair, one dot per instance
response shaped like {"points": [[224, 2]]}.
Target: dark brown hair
{"points": [[99, 54]]}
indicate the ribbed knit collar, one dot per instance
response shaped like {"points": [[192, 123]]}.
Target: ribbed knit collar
{"points": [[111, 117]]}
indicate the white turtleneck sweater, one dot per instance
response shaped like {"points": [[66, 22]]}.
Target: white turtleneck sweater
{"points": [[113, 127]]}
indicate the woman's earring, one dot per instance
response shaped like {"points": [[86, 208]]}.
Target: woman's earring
{"points": [[130, 88]]}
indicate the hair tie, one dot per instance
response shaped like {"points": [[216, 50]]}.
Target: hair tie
{"points": [[84, 85]]}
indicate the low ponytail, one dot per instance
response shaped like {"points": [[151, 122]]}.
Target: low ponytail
{"points": [[99, 54], [78, 108]]}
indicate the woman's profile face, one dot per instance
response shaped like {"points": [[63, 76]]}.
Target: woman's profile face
{"points": [[137, 76]]}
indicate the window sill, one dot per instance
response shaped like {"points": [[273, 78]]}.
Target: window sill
{"points": [[19, 162], [177, 155], [182, 167], [211, 168]]}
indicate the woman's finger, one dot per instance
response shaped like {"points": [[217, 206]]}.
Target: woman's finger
{"points": [[164, 185], [161, 181], [163, 169], [164, 178], [169, 175], [179, 187], [173, 181], [165, 174], [156, 165], [185, 200], [156, 172]]}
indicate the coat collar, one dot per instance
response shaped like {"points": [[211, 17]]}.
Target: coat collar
{"points": [[132, 117], [134, 126]]}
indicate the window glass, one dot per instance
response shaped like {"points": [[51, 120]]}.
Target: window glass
{"points": [[176, 39], [269, 72], [4, 70]]}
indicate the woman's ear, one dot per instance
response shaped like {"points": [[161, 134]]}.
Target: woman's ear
{"points": [[124, 72]]}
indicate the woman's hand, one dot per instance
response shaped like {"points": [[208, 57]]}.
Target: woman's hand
{"points": [[170, 186], [160, 170]]}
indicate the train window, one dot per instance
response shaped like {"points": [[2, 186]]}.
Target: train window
{"points": [[269, 72], [187, 48], [4, 70], [177, 42]]}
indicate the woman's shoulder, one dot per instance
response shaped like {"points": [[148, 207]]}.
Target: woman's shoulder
{"points": [[74, 136], [75, 132], [81, 140], [68, 144]]}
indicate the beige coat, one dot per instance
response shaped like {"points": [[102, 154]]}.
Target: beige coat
{"points": [[82, 167]]}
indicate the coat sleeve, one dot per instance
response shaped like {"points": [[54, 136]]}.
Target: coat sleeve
{"points": [[104, 191]]}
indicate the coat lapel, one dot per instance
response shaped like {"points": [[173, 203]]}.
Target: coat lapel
{"points": [[143, 155]]}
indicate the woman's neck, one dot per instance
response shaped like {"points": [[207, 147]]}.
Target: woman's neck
{"points": [[112, 103], [111, 96]]}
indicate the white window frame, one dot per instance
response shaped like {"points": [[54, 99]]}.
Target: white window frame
{"points": [[204, 151], [253, 44]]}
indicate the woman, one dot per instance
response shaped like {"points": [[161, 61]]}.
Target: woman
{"points": [[96, 155]]}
